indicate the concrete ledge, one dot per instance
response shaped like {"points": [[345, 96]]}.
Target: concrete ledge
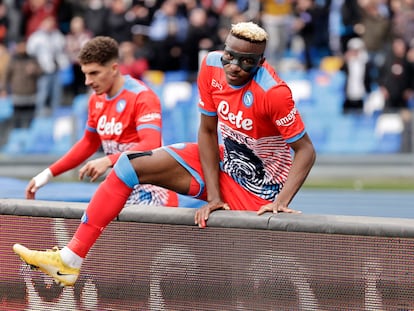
{"points": [[325, 224]]}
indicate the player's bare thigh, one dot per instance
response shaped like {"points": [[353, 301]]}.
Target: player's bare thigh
{"points": [[161, 169]]}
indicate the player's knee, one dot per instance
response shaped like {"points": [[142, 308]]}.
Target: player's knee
{"points": [[125, 171]]}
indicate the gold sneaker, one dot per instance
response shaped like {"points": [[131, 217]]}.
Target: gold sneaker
{"points": [[48, 262]]}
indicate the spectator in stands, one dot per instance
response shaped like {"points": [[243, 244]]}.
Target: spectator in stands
{"points": [[277, 20], [375, 30], [408, 118], [250, 10], [118, 23], [395, 82], [34, 12], [21, 80], [356, 66], [47, 45], [350, 17], [4, 23], [4, 63], [311, 24], [167, 33], [66, 11], [14, 21], [123, 114], [230, 14], [253, 170], [140, 13], [200, 37], [75, 39], [95, 14], [141, 43], [129, 61], [410, 62], [403, 19]]}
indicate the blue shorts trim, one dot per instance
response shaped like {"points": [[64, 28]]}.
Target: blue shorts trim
{"points": [[192, 171]]}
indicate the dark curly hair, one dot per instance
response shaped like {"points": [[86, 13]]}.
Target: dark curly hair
{"points": [[99, 50]]}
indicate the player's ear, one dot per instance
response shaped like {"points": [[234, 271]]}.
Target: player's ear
{"points": [[262, 60], [115, 66]]}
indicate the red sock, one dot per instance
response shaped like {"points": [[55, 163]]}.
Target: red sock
{"points": [[105, 205]]}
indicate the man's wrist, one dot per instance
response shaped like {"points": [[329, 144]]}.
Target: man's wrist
{"points": [[42, 178]]}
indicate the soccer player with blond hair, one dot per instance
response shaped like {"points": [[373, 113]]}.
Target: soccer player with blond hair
{"points": [[249, 167]]}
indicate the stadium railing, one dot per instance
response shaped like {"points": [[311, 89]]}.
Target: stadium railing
{"points": [[155, 258]]}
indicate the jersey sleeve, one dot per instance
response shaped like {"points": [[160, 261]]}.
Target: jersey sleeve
{"points": [[148, 109], [284, 113], [82, 150], [92, 121], [205, 104]]}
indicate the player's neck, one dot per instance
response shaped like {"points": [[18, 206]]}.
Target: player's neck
{"points": [[117, 86]]}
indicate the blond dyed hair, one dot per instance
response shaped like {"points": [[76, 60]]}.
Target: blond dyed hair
{"points": [[249, 31]]}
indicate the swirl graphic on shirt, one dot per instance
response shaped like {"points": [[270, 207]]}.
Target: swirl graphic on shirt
{"points": [[149, 195], [247, 170]]}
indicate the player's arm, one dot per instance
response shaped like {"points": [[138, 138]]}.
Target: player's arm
{"points": [[209, 155], [210, 162], [208, 146], [303, 160], [297, 138], [97, 167], [82, 150]]}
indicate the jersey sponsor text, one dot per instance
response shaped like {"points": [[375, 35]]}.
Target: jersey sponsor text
{"points": [[150, 117], [234, 118], [109, 127], [287, 120]]}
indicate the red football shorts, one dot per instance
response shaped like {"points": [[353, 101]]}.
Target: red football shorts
{"points": [[232, 193]]}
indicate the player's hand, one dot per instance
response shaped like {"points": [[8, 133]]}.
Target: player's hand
{"points": [[201, 215], [95, 168], [275, 208], [31, 190], [36, 182]]}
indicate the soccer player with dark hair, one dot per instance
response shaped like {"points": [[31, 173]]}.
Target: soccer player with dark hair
{"points": [[124, 114]]}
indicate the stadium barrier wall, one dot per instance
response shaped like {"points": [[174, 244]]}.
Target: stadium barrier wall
{"points": [[155, 258]]}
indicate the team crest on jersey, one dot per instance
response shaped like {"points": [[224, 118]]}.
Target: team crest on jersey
{"points": [[248, 99], [120, 106]]}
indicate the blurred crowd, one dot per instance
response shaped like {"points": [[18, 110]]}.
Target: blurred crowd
{"points": [[40, 39]]}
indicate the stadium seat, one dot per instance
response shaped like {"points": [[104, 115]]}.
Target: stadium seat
{"points": [[66, 75], [80, 113], [389, 143], [339, 135], [40, 136], [63, 133], [175, 76], [388, 129], [179, 111], [389, 123], [6, 108], [17, 141]]}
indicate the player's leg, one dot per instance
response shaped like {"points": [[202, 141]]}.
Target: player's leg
{"points": [[105, 205], [156, 167], [163, 170]]}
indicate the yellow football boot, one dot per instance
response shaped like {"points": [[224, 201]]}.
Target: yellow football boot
{"points": [[48, 262]]}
